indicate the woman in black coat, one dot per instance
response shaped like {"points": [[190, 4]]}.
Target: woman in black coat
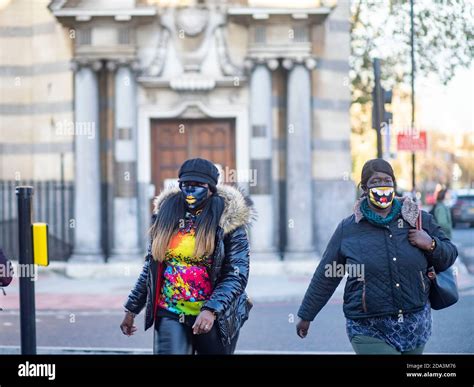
{"points": [[193, 281], [386, 302]]}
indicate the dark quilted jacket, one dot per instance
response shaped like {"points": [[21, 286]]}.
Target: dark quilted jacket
{"points": [[228, 274], [395, 279]]}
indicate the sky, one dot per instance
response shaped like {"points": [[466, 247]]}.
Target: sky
{"points": [[447, 108]]}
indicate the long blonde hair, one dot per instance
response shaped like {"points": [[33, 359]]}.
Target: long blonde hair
{"points": [[171, 215]]}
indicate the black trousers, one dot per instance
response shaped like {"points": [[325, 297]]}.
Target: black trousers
{"points": [[173, 337]]}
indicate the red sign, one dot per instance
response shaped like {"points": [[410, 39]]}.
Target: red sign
{"points": [[412, 142]]}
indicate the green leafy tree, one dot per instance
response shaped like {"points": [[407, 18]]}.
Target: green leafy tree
{"points": [[443, 41]]}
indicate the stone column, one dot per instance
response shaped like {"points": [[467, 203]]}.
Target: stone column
{"points": [[87, 234], [299, 193], [125, 235], [262, 235]]}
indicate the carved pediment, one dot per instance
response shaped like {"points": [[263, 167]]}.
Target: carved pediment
{"points": [[190, 36], [192, 21]]}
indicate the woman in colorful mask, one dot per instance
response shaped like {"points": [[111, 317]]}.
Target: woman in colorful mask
{"points": [[197, 266], [386, 302]]}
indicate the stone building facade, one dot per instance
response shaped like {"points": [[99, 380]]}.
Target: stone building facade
{"points": [[260, 87]]}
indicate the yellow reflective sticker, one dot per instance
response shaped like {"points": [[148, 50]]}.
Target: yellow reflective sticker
{"points": [[40, 244]]}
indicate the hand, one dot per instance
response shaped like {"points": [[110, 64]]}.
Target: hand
{"points": [[420, 239], [127, 326], [204, 322], [302, 328]]}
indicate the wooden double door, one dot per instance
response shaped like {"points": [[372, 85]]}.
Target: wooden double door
{"points": [[174, 141]]}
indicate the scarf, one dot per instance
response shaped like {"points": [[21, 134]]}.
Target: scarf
{"points": [[375, 218]]}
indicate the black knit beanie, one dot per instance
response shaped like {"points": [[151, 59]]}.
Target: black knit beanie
{"points": [[200, 170], [376, 165]]}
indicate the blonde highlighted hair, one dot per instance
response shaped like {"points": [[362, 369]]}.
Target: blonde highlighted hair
{"points": [[171, 215]]}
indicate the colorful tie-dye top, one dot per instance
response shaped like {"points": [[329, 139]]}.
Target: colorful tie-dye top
{"points": [[186, 282]]}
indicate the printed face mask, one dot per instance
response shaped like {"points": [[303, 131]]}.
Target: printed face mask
{"points": [[381, 197], [194, 195]]}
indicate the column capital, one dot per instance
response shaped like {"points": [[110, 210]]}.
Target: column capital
{"points": [[309, 62], [77, 63], [74, 65], [111, 65], [271, 63], [287, 63], [96, 65], [133, 64]]}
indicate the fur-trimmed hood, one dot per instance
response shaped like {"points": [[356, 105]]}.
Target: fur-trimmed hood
{"points": [[238, 208], [409, 210]]}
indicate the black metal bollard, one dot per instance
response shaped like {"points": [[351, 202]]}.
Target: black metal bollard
{"points": [[25, 260]]}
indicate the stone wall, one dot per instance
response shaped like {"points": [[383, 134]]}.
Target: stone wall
{"points": [[36, 93]]}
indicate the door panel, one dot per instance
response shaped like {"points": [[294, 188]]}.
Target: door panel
{"points": [[174, 141]]}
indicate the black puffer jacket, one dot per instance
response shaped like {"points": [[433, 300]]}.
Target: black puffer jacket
{"points": [[228, 274], [395, 272]]}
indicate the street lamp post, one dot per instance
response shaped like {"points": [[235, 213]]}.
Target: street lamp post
{"points": [[412, 40]]}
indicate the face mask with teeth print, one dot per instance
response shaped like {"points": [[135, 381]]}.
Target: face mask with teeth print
{"points": [[381, 197]]}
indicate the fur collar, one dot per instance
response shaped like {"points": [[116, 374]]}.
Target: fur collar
{"points": [[409, 210], [238, 208]]}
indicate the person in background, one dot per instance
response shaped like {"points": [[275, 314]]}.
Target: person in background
{"points": [[442, 214]]}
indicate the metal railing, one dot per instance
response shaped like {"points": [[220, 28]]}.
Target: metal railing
{"points": [[52, 202]]}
